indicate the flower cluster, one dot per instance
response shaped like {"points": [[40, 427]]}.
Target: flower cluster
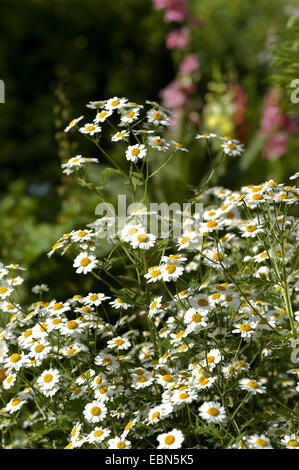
{"points": [[188, 346]]}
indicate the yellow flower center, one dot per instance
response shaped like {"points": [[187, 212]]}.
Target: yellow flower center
{"points": [[212, 411], [231, 146], [114, 103], [212, 224], [15, 357], [135, 151], [155, 273], [196, 317], [245, 327], [118, 342], [98, 433], [142, 238], [93, 297], [202, 302], [251, 228], [293, 443], [167, 378], [157, 116], [15, 402], [252, 384], [169, 439], [102, 115], [121, 445], [85, 262], [48, 378], [261, 442], [95, 411]]}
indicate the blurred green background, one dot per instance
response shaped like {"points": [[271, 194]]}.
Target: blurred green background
{"points": [[58, 55]]}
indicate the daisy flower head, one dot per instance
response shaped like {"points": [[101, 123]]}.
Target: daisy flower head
{"points": [[158, 117], [115, 103], [119, 443], [291, 441], [179, 146], [259, 442], [171, 440], [135, 152], [15, 404], [158, 143], [118, 303], [85, 263], [171, 272], [129, 116], [233, 148], [72, 164], [294, 176], [98, 435], [5, 291], [247, 329], [251, 229], [102, 115], [90, 129], [40, 288], [155, 306], [15, 361], [119, 343], [73, 123], [252, 386], [212, 412], [121, 135], [205, 136], [9, 381], [96, 104], [154, 274], [48, 379], [143, 240], [96, 298], [95, 411], [195, 319], [106, 360]]}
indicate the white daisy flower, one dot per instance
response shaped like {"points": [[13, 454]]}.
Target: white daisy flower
{"points": [[142, 240], [90, 129], [171, 272], [85, 263], [291, 441], [102, 116], [259, 442], [115, 103], [252, 386], [158, 143], [135, 152], [119, 343], [212, 412], [233, 148], [48, 379], [170, 440], [119, 443], [118, 303], [73, 123], [98, 435], [130, 116], [121, 135], [95, 411], [14, 405]]}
